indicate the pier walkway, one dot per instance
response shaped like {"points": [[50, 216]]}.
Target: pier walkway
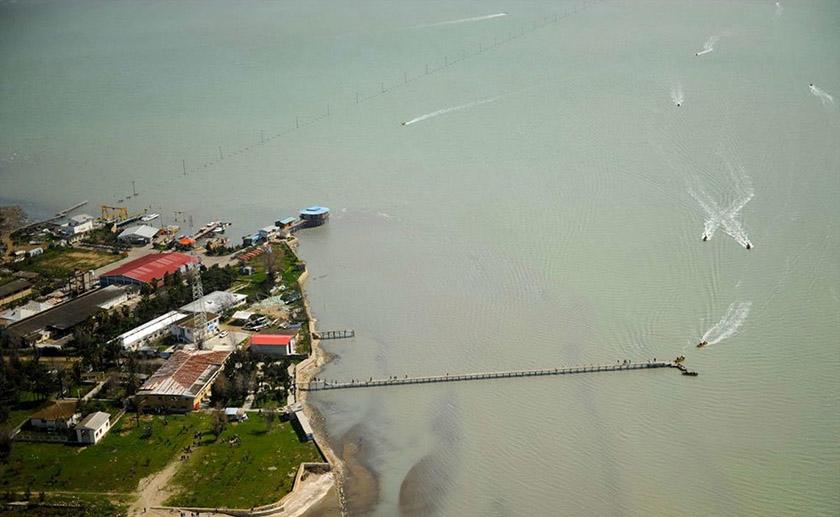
{"points": [[335, 334], [320, 385]]}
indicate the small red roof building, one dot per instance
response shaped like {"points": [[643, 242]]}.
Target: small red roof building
{"points": [[273, 344]]}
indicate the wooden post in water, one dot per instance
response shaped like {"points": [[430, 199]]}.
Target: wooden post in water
{"points": [[221, 156], [184, 166]]}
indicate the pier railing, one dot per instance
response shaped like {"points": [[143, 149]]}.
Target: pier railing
{"points": [[320, 385], [335, 334]]}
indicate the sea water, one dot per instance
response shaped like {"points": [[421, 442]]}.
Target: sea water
{"points": [[542, 217]]}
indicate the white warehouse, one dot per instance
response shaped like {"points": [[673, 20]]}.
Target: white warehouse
{"points": [[150, 331]]}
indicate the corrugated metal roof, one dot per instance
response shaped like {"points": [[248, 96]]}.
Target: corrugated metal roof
{"points": [[94, 421], [185, 373], [142, 231], [68, 314], [149, 328], [144, 269], [271, 339], [315, 210], [13, 287], [58, 409]]}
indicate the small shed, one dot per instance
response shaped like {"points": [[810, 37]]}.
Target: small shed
{"points": [[241, 317], [93, 427], [236, 414]]}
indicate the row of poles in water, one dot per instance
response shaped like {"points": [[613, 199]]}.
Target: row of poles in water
{"points": [[302, 121]]}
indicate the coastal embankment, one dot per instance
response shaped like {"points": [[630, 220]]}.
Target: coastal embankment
{"points": [[304, 372]]}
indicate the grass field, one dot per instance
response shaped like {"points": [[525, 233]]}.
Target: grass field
{"points": [[127, 454], [259, 471], [60, 262]]}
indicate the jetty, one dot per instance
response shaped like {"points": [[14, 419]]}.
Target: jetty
{"points": [[321, 385], [334, 334], [56, 217]]}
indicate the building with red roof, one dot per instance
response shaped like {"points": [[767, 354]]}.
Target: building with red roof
{"points": [[273, 344], [145, 269]]}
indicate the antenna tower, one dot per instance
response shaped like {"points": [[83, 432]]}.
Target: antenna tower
{"points": [[199, 317]]}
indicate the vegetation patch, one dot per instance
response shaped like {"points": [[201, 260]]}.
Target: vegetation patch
{"points": [[59, 262], [251, 464], [127, 454]]}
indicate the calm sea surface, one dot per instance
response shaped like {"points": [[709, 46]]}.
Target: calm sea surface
{"points": [[543, 207]]}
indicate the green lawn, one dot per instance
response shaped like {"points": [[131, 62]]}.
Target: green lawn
{"points": [[257, 472], [116, 464], [20, 411]]}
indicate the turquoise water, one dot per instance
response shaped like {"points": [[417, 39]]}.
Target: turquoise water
{"points": [[551, 218]]}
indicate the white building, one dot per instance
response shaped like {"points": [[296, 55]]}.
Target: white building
{"points": [[184, 329], [216, 302], [77, 224], [93, 427], [60, 414], [141, 234], [148, 332], [268, 231]]}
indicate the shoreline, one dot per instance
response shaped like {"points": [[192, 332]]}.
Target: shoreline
{"points": [[303, 373]]}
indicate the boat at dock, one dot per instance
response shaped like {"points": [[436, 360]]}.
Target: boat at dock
{"points": [[149, 217]]}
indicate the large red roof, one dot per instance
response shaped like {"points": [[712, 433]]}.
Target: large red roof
{"points": [[144, 269], [271, 339]]}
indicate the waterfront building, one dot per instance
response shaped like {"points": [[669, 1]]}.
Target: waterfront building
{"points": [[77, 225], [141, 234], [273, 344], [315, 215]]}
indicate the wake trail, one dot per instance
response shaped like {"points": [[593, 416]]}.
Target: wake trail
{"points": [[677, 96], [728, 326], [822, 95], [461, 20], [708, 46], [450, 110]]}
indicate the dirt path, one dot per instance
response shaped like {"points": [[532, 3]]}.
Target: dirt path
{"points": [[154, 489]]}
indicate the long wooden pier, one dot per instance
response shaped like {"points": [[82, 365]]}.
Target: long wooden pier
{"points": [[320, 385]]}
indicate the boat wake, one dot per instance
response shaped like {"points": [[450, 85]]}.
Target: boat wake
{"points": [[823, 96], [462, 20], [677, 96], [717, 216], [728, 326], [449, 110], [708, 46]]}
